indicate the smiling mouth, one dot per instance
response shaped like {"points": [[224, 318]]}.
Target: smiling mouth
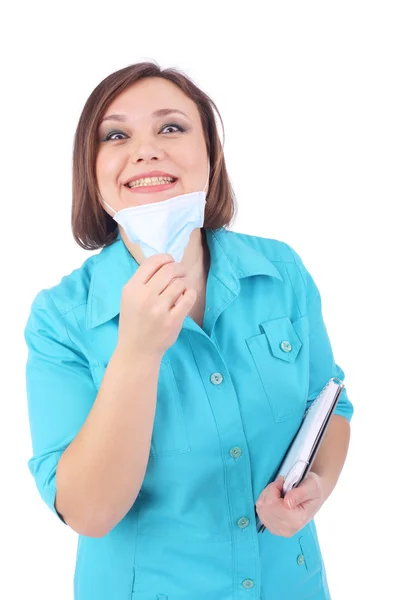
{"points": [[151, 182], [152, 188]]}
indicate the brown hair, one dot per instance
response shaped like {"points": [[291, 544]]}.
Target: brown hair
{"points": [[92, 226]]}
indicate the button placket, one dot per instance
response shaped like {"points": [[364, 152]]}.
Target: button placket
{"points": [[217, 391]]}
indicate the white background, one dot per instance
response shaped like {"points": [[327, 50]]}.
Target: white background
{"points": [[309, 95]]}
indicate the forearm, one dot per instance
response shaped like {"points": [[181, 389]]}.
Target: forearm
{"points": [[100, 473], [332, 453]]}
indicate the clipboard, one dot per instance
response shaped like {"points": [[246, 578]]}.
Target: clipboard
{"points": [[303, 449]]}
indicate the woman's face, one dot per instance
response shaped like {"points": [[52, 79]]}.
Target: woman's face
{"points": [[139, 141]]}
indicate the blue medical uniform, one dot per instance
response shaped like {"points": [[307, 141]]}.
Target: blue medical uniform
{"points": [[230, 398]]}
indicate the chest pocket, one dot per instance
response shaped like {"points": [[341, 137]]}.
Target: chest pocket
{"points": [[169, 436], [281, 357]]}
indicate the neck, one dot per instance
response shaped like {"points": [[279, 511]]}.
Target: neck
{"points": [[196, 257]]}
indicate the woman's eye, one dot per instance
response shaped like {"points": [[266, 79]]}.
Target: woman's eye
{"points": [[111, 133], [173, 125]]}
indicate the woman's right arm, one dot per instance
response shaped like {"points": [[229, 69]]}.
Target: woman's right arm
{"points": [[101, 472], [91, 448]]}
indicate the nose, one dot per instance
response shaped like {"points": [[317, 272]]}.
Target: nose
{"points": [[146, 149]]}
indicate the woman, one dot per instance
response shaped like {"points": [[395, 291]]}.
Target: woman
{"points": [[168, 374]]}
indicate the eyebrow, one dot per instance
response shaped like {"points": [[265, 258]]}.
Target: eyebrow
{"points": [[161, 112]]}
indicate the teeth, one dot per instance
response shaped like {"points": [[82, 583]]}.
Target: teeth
{"points": [[150, 181]]}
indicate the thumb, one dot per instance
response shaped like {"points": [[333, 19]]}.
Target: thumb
{"points": [[297, 495]]}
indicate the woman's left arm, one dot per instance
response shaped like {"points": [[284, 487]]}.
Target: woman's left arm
{"points": [[285, 516], [332, 453]]}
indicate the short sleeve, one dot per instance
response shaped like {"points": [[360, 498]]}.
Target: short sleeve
{"points": [[60, 392], [322, 362]]}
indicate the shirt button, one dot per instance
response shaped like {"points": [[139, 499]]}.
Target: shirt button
{"points": [[248, 583], [286, 346], [235, 452], [216, 378], [300, 559], [243, 522]]}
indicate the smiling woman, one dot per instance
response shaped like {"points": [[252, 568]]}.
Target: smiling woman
{"points": [[162, 394]]}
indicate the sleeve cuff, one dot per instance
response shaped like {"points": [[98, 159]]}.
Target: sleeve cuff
{"points": [[47, 488]]}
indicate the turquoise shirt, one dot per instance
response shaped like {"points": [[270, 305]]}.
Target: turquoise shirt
{"points": [[230, 398]]}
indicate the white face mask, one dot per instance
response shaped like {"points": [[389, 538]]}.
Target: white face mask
{"points": [[164, 226]]}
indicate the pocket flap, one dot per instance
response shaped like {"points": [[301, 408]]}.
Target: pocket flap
{"points": [[282, 337]]}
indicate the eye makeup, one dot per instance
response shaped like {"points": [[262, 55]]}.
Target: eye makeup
{"points": [[110, 132]]}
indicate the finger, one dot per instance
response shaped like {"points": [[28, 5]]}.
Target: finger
{"points": [[151, 265], [273, 491], [307, 490], [279, 482], [188, 297]]}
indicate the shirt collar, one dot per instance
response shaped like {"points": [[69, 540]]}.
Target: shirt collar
{"points": [[231, 259]]}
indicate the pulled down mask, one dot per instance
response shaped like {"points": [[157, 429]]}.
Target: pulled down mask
{"points": [[165, 226]]}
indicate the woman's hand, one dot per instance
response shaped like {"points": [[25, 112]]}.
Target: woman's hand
{"points": [[286, 516], [154, 303]]}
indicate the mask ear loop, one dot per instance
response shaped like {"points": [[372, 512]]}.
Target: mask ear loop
{"points": [[204, 189], [108, 206]]}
